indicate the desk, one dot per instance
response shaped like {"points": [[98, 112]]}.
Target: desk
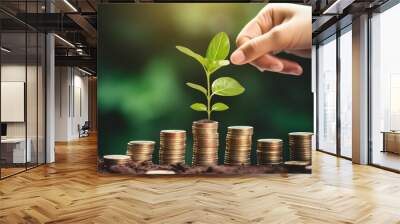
{"points": [[391, 141], [16, 146]]}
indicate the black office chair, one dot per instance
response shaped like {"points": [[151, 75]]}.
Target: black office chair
{"points": [[84, 130]]}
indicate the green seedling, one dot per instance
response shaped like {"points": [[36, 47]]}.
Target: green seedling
{"points": [[217, 51]]}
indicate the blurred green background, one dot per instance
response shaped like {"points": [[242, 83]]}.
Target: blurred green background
{"points": [[141, 76]]}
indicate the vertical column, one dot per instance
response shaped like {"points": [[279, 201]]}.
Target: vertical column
{"points": [[50, 92], [360, 90], [63, 76], [92, 99], [338, 91], [314, 91]]}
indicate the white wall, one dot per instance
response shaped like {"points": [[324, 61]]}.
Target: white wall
{"points": [[16, 73], [62, 81], [12, 73], [80, 111], [71, 102]]}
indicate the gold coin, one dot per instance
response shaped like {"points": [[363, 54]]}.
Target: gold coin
{"points": [[173, 132], [238, 136], [205, 123], [110, 160], [297, 163], [269, 141], [240, 130], [205, 142], [301, 134], [141, 143]]}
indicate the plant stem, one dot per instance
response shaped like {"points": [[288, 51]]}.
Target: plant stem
{"points": [[208, 96]]}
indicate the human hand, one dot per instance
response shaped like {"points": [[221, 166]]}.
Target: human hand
{"points": [[276, 28]]}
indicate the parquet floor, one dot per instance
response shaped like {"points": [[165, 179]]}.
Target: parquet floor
{"points": [[10, 171], [70, 191]]}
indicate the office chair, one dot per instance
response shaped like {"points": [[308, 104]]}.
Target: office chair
{"points": [[84, 130]]}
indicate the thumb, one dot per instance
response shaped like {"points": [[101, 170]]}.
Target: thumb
{"points": [[273, 41]]}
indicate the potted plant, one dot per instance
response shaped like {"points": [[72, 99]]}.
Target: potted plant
{"points": [[205, 132]]}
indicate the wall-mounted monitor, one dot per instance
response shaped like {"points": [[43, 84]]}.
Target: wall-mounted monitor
{"points": [[3, 129], [12, 101]]}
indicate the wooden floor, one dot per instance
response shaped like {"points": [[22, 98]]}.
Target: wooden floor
{"points": [[5, 172], [386, 159], [70, 191]]}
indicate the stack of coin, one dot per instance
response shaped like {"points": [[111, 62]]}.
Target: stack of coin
{"points": [[112, 160], [269, 151], [300, 144], [140, 151], [172, 147], [238, 145], [205, 143]]}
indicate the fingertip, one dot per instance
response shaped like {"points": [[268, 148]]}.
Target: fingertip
{"points": [[298, 71], [238, 57]]}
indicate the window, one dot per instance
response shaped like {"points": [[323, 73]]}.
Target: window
{"points": [[385, 89], [346, 75], [327, 96]]}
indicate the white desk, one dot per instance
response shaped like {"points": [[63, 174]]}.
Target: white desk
{"points": [[18, 149]]}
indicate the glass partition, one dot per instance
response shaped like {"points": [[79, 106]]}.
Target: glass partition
{"points": [[32, 95], [22, 77], [327, 96], [385, 89], [14, 153]]}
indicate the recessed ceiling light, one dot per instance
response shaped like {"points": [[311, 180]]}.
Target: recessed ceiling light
{"points": [[5, 50], [84, 71], [70, 5], [338, 6], [65, 41]]}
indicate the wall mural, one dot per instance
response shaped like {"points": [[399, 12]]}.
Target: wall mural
{"points": [[170, 101]]}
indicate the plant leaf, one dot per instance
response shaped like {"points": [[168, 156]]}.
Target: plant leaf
{"points": [[226, 86], [218, 49], [215, 65], [197, 87], [192, 54], [198, 107], [219, 107]]}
